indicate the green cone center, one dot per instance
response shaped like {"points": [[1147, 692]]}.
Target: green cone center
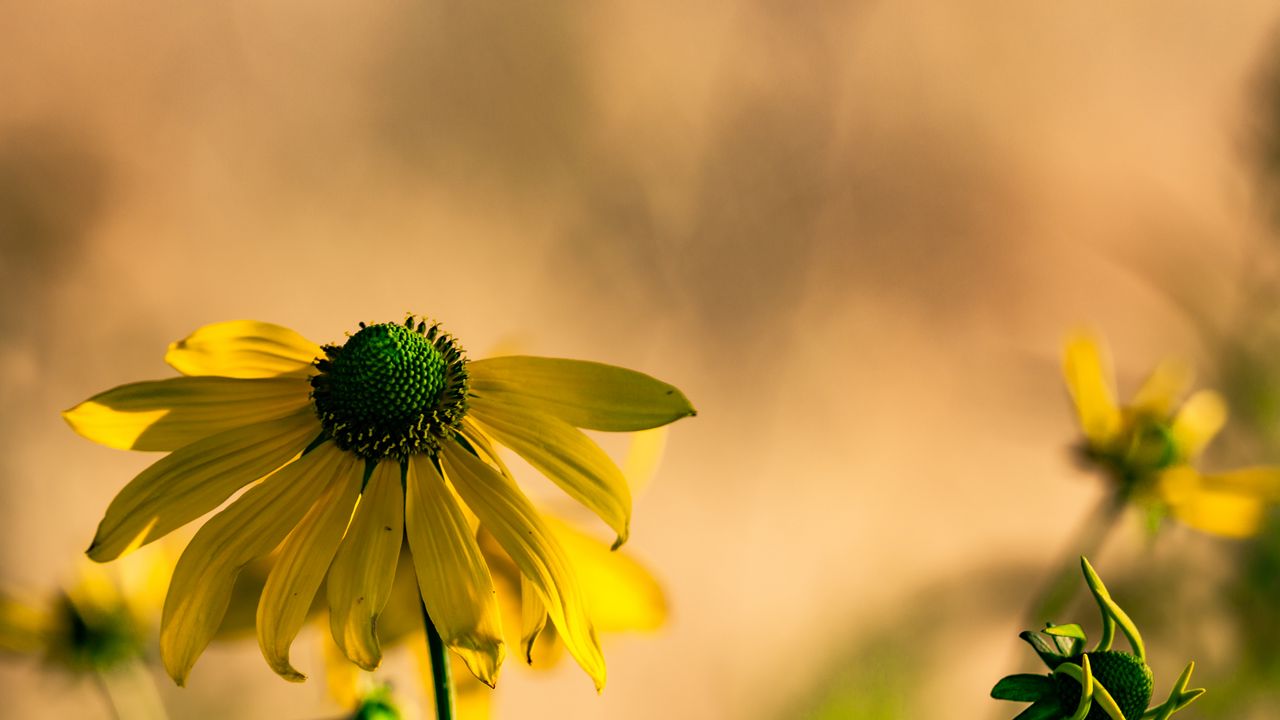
{"points": [[1123, 674], [392, 390]]}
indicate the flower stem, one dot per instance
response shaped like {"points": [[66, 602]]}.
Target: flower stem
{"points": [[439, 668], [1088, 540], [131, 692]]}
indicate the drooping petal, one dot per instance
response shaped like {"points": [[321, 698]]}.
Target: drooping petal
{"points": [[1162, 388], [248, 528], [512, 520], [197, 478], [1197, 422], [1091, 389], [533, 617], [167, 414], [453, 578], [621, 593], [362, 574], [584, 394], [242, 349], [303, 560], [566, 456]]}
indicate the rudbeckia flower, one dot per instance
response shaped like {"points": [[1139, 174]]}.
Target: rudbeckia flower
{"points": [[1149, 448], [348, 448]]}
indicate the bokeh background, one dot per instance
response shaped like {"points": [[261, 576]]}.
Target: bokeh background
{"points": [[854, 233]]}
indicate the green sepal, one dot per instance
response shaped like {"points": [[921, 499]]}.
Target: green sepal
{"points": [[1070, 639], [1043, 709], [1023, 688], [1179, 697], [1112, 614], [1048, 653]]}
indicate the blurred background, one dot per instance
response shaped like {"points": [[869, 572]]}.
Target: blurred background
{"points": [[854, 234]]}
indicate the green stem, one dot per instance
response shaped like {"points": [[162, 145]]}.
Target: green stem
{"points": [[439, 669], [1088, 540], [131, 692]]}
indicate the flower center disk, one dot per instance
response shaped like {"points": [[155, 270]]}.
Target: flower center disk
{"points": [[392, 390]]}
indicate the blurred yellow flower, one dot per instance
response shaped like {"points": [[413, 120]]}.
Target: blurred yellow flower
{"points": [[389, 435], [101, 620], [1149, 447]]}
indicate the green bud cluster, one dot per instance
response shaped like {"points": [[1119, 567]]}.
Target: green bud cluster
{"points": [[392, 390]]}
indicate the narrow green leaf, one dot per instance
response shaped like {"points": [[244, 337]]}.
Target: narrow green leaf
{"points": [[1023, 688]]}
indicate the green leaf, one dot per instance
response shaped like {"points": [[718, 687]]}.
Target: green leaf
{"points": [[1023, 688], [1044, 709]]}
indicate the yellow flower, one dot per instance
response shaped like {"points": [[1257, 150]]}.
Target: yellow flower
{"points": [[388, 435], [1149, 447], [101, 621], [620, 592]]}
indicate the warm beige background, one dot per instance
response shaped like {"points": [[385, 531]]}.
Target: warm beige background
{"points": [[854, 234]]}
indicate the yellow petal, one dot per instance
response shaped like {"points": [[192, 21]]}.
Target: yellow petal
{"points": [[1258, 482], [1095, 401], [23, 626], [242, 349], [361, 578], [248, 528], [452, 576], [1222, 513], [506, 513], [402, 614], [303, 560], [622, 594], [1162, 388], [196, 479], [533, 617], [566, 456], [1199, 419], [583, 394], [167, 414]]}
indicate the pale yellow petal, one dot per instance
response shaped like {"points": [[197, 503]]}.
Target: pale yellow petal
{"points": [[621, 592], [196, 479], [583, 394], [644, 455], [362, 574], [300, 568], [1160, 391], [248, 528], [566, 456], [505, 512], [1091, 389], [1197, 422], [167, 414], [242, 349], [453, 578], [342, 677]]}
